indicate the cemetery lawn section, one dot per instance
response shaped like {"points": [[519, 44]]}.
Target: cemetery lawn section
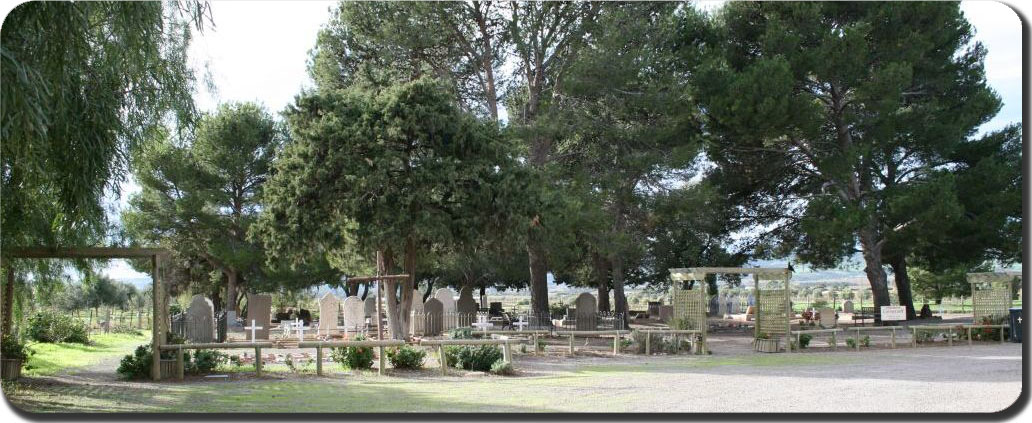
{"points": [[50, 359], [981, 378]]}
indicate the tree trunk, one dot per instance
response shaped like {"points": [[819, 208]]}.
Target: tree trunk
{"points": [[874, 267], [429, 290], [408, 286], [365, 290], [8, 301], [231, 291], [483, 296], [601, 281], [619, 300], [538, 275], [906, 297]]}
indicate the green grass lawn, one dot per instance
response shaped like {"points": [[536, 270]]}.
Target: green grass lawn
{"points": [[52, 358]]}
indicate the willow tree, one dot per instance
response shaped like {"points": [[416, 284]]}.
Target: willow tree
{"points": [[827, 116], [389, 173], [81, 85]]}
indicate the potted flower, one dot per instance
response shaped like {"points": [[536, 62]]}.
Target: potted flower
{"points": [[12, 357], [764, 343]]}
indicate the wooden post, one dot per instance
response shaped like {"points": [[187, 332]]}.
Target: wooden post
{"points": [[535, 338], [380, 369], [571, 344], [157, 334], [969, 335], [1001, 334], [258, 361], [506, 353], [913, 339], [834, 342], [893, 338], [949, 334], [648, 338], [444, 359], [318, 361], [616, 344], [180, 364], [857, 340]]}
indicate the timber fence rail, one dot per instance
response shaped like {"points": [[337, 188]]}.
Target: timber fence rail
{"points": [[379, 344], [676, 332], [799, 333], [180, 348], [615, 334], [949, 330], [441, 343]]}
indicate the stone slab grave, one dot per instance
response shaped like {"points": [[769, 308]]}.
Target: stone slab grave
{"points": [[666, 312], [828, 319], [586, 312], [466, 306], [354, 314], [370, 307], [417, 321], [259, 309], [736, 305], [329, 309], [200, 320], [722, 307], [714, 306], [447, 298], [847, 306], [434, 314]]}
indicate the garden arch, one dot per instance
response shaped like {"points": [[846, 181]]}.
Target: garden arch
{"points": [[991, 294], [159, 276], [771, 288]]}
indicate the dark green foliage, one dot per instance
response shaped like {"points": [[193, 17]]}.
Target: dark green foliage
{"points": [[138, 364], [204, 361], [12, 349], [804, 340], [476, 357], [406, 357], [354, 357], [502, 368], [461, 333], [48, 326]]}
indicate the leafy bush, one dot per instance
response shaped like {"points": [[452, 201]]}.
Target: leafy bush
{"points": [[138, 364], [865, 341], [655, 341], [461, 333], [126, 330], [501, 367], [204, 361], [804, 340], [478, 358], [850, 342], [50, 327], [304, 366], [406, 357], [11, 349], [354, 357]]}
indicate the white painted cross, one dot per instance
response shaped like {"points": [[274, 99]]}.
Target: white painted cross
{"points": [[520, 324], [482, 322], [253, 328], [300, 327]]}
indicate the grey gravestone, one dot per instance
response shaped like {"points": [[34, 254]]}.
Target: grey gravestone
{"points": [[847, 306], [736, 305], [370, 307], [354, 314], [722, 306], [466, 307], [447, 298], [329, 309], [654, 309], [200, 320], [714, 306], [666, 312], [232, 322], [259, 309], [587, 312], [828, 319], [434, 314], [417, 320]]}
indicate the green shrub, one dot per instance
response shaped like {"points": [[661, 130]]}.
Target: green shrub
{"points": [[406, 357], [354, 357], [204, 361], [655, 341], [850, 342], [804, 340], [461, 333], [470, 357], [11, 349], [501, 367], [50, 327], [865, 341], [138, 364], [126, 330]]}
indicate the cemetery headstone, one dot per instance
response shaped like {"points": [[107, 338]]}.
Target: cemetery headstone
{"points": [[259, 307], [828, 318], [736, 305], [200, 320], [354, 314], [417, 319], [653, 309], [466, 306], [370, 307], [494, 309], [847, 306], [714, 306], [434, 314], [722, 308], [586, 312], [329, 309], [447, 298], [666, 312]]}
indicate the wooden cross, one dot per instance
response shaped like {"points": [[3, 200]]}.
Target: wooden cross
{"points": [[253, 327], [300, 327]]}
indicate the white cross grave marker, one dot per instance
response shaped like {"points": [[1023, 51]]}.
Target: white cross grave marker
{"points": [[300, 326], [253, 328], [520, 324]]}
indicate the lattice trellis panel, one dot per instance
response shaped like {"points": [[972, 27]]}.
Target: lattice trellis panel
{"points": [[990, 299], [690, 305], [772, 297]]}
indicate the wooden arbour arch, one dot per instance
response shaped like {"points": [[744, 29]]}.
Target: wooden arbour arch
{"points": [[159, 257]]}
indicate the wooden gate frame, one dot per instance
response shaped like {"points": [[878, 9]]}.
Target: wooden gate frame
{"points": [[159, 257], [776, 273], [991, 278]]}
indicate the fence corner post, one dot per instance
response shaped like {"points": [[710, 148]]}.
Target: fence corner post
{"points": [[318, 360], [258, 361]]}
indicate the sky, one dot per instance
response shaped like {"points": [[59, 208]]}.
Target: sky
{"points": [[258, 51]]}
